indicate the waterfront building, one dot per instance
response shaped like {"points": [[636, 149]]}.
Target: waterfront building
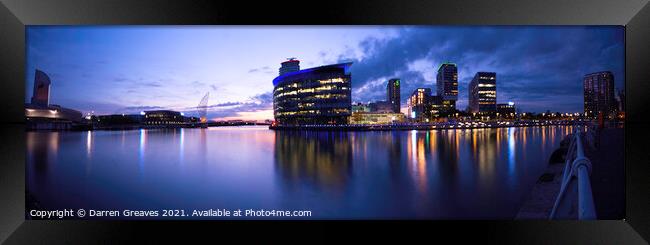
{"points": [[164, 117], [360, 107], [483, 93], [621, 100], [439, 107], [40, 114], [393, 94], [409, 110], [381, 107], [506, 110], [51, 113], [599, 94], [41, 92], [376, 118], [447, 83], [621, 104], [419, 103], [119, 119], [291, 65], [319, 95]]}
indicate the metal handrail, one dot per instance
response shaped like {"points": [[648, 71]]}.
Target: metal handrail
{"points": [[576, 184]]}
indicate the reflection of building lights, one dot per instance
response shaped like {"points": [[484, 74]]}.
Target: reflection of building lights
{"points": [[89, 138]]}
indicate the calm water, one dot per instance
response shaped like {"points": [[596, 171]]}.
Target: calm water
{"points": [[448, 174]]}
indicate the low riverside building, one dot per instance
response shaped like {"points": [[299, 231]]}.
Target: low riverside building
{"points": [[313, 96], [370, 118], [360, 107], [164, 117], [51, 117], [439, 107], [506, 110], [119, 120], [381, 107]]}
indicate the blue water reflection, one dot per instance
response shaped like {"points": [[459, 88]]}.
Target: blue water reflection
{"points": [[446, 174]]}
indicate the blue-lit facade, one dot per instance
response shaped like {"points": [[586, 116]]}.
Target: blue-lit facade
{"points": [[319, 95]]}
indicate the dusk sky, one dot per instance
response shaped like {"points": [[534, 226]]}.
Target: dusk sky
{"points": [[127, 69]]}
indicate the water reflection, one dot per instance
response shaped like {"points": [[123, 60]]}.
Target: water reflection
{"points": [[89, 143], [42, 149], [89, 151], [469, 173], [511, 150], [323, 159], [141, 152]]}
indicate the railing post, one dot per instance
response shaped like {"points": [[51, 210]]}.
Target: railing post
{"points": [[578, 171], [586, 209]]}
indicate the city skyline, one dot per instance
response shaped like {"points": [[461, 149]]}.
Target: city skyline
{"points": [[128, 69]]}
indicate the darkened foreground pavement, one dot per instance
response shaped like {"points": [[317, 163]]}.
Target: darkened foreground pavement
{"points": [[608, 173]]}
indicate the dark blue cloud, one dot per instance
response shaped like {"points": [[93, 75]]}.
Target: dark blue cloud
{"points": [[540, 68]]}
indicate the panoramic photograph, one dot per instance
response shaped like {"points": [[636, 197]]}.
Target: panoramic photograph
{"points": [[324, 122]]}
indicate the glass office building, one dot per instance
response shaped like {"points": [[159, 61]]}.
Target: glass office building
{"points": [[447, 82], [313, 96], [483, 93]]}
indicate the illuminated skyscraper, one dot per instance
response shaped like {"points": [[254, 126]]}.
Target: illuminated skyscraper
{"points": [[483, 93], [41, 94], [393, 94], [290, 65], [599, 93], [447, 82]]}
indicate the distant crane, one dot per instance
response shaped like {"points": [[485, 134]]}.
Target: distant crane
{"points": [[202, 110]]}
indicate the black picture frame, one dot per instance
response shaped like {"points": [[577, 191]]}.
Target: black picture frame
{"points": [[634, 15]]}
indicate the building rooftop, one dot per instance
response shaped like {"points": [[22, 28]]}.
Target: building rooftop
{"points": [[597, 73], [279, 79], [290, 61], [446, 63]]}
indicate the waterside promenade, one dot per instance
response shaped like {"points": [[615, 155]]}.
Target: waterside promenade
{"points": [[430, 126]]}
